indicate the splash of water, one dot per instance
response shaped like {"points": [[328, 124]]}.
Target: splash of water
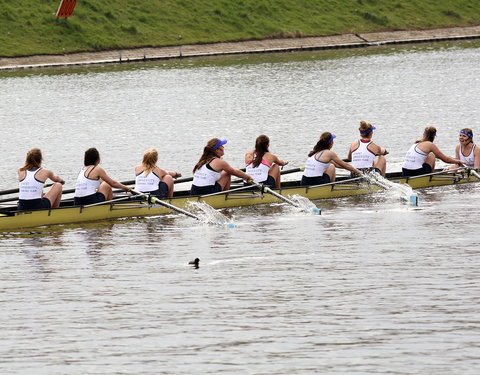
{"points": [[304, 204], [403, 191], [210, 215]]}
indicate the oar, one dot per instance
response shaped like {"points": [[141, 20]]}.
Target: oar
{"points": [[264, 188], [472, 171], [165, 204]]}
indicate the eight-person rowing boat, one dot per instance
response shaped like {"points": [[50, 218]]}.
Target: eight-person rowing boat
{"points": [[125, 206], [212, 183]]}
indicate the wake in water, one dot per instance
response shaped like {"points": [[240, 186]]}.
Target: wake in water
{"points": [[403, 191], [210, 215]]}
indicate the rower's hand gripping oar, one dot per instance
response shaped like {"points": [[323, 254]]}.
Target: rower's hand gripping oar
{"points": [[266, 189], [155, 200]]}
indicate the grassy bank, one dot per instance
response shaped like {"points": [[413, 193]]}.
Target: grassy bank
{"points": [[29, 27]]}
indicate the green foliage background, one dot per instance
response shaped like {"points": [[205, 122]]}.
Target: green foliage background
{"points": [[29, 26]]}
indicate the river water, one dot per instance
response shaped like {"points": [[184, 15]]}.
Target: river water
{"points": [[371, 286]]}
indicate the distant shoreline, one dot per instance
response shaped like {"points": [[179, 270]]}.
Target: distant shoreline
{"points": [[245, 47]]}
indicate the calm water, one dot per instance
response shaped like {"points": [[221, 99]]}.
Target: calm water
{"points": [[371, 286]]}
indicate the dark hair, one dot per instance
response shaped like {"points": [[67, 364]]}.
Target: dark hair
{"points": [[33, 160], [428, 135], [92, 156], [261, 147], [322, 144], [208, 153]]}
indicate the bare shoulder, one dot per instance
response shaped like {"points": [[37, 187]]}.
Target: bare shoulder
{"points": [[219, 164]]}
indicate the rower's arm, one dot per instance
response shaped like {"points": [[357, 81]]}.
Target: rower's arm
{"points": [[230, 170], [105, 177], [279, 161], [340, 163], [439, 154], [55, 178]]}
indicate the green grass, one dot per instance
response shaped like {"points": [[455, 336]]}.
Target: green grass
{"points": [[29, 27]]}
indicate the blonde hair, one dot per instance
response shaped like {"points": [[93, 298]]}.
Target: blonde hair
{"points": [[33, 160], [149, 162], [365, 129]]}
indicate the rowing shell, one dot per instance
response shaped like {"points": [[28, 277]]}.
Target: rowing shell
{"points": [[11, 219]]}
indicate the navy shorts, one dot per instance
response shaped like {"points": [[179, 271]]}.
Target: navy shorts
{"points": [[34, 204], [426, 169], [89, 199], [270, 182], [161, 192], [204, 190], [319, 180]]}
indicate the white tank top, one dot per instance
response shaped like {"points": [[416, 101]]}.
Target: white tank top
{"points": [[205, 177], [145, 183], [362, 157], [315, 168], [468, 160], [414, 158], [260, 173], [30, 187], [86, 186]]}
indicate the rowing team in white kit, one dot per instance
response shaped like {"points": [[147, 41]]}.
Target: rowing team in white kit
{"points": [[213, 174]]}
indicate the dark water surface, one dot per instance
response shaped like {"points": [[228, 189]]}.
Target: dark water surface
{"points": [[370, 287]]}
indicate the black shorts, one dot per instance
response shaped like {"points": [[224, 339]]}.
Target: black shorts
{"points": [[161, 192], [426, 169], [89, 199], [34, 204], [319, 180], [204, 190]]}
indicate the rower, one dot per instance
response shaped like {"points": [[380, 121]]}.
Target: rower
{"points": [[420, 158], [93, 183], [32, 178], [320, 166], [366, 155], [152, 179], [212, 174], [262, 165], [466, 150]]}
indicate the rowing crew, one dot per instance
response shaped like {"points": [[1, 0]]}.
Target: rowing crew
{"points": [[213, 174]]}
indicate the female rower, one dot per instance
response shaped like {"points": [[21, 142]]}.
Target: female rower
{"points": [[466, 150], [152, 179], [93, 183], [320, 166], [366, 155], [262, 165], [213, 174], [31, 179], [420, 158]]}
